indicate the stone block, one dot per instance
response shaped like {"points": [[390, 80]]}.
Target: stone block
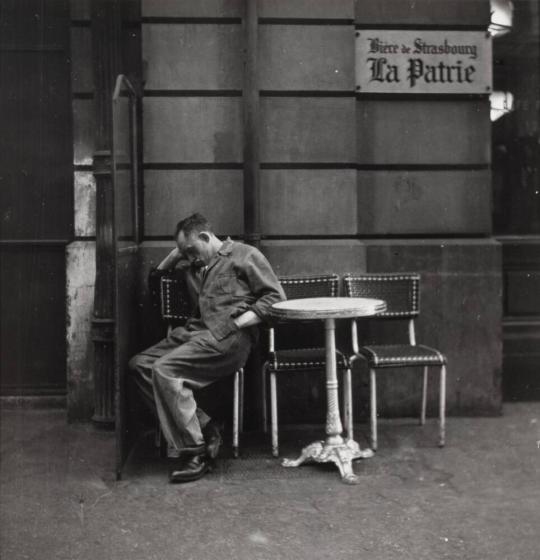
{"points": [[424, 12], [424, 202], [306, 9], [308, 130], [80, 9], [173, 195], [192, 8], [176, 54], [306, 57], [296, 257], [423, 132], [85, 203], [295, 202], [82, 80], [80, 280], [193, 129], [83, 131]]}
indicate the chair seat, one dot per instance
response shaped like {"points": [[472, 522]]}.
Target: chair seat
{"points": [[302, 358], [396, 355]]}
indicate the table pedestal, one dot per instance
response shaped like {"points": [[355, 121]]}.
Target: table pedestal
{"points": [[334, 449]]}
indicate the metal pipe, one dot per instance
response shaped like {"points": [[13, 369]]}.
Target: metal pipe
{"points": [[252, 218]]}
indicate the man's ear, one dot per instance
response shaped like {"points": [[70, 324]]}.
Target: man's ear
{"points": [[204, 236]]}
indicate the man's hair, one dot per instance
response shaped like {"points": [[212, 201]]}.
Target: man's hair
{"points": [[192, 224]]}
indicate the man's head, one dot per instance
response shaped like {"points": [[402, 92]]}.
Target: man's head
{"points": [[196, 240]]}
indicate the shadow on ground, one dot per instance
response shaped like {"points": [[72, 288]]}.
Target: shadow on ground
{"points": [[478, 498]]}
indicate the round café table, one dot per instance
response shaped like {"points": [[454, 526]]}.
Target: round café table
{"points": [[334, 448]]}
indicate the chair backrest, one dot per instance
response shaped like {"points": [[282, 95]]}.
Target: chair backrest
{"points": [[301, 287], [399, 290], [310, 334], [175, 302]]}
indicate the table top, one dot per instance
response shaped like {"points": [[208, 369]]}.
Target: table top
{"points": [[327, 308]]}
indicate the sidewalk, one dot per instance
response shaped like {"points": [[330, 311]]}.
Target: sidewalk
{"points": [[478, 498]]}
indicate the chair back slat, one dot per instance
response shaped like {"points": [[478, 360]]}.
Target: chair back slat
{"points": [[400, 291], [175, 302], [301, 287]]}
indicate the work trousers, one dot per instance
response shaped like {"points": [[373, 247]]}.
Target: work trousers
{"points": [[168, 373]]}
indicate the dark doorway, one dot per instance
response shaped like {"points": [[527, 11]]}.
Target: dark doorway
{"points": [[36, 194]]}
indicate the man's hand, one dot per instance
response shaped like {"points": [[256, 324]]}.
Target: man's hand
{"points": [[247, 319], [171, 260]]}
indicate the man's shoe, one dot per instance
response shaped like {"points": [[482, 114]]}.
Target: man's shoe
{"points": [[212, 436], [192, 451], [188, 470]]}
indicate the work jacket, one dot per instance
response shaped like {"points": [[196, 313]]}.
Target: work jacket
{"points": [[239, 278]]}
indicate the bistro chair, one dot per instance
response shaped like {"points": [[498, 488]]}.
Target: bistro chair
{"points": [[176, 309], [401, 294], [284, 359]]}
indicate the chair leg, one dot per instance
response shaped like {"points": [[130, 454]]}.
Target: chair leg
{"points": [[236, 412], [157, 434], [264, 381], [442, 407], [373, 402], [241, 404], [273, 411], [159, 440], [424, 397], [347, 403]]}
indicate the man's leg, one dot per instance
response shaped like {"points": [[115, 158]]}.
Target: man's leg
{"points": [[141, 366], [198, 362]]}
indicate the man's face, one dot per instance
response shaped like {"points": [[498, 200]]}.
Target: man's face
{"points": [[196, 247]]}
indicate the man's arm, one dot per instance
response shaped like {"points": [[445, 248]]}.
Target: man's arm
{"points": [[264, 285], [171, 260]]}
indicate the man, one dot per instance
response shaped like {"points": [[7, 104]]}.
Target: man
{"points": [[236, 287]]}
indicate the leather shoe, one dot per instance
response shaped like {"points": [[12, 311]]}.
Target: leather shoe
{"points": [[212, 436], [193, 450], [188, 470]]}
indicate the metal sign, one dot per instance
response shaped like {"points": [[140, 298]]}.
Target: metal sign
{"points": [[423, 61]]}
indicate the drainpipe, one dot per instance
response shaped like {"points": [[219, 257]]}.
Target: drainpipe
{"points": [[252, 214], [106, 62]]}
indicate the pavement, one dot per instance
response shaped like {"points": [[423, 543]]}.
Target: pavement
{"points": [[478, 498]]}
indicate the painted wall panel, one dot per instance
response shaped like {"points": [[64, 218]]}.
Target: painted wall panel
{"points": [[308, 130], [428, 12], [190, 56], [423, 202], [306, 57], [295, 202], [192, 8], [192, 129], [173, 195], [341, 9], [423, 132]]}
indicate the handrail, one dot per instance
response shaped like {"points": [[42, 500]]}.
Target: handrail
{"points": [[122, 85], [121, 79]]}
